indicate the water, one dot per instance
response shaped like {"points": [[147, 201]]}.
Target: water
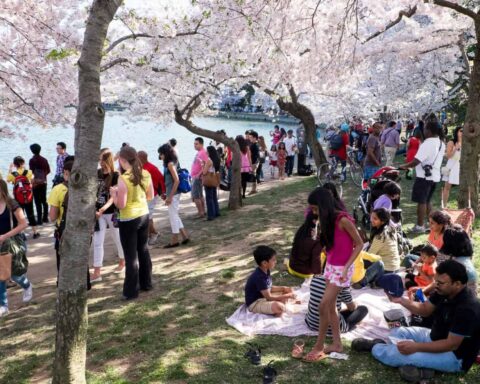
{"points": [[142, 135]]}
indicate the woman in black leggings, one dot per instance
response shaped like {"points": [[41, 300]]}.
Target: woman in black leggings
{"points": [[130, 196]]}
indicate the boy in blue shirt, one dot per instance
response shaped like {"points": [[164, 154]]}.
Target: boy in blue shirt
{"points": [[260, 295]]}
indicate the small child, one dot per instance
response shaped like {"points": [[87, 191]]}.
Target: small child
{"points": [[260, 295], [282, 160], [273, 160], [425, 266]]}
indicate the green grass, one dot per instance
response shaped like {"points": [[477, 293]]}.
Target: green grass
{"points": [[177, 333]]}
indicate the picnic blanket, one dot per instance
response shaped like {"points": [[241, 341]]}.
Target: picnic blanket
{"points": [[292, 323]]}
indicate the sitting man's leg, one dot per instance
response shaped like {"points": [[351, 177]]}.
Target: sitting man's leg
{"points": [[389, 354]]}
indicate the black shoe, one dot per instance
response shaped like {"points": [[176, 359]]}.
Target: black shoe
{"points": [[254, 354], [45, 220], [364, 345], [269, 374], [36, 235], [186, 241], [146, 289], [414, 374], [171, 245]]}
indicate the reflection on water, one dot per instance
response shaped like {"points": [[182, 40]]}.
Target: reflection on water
{"points": [[143, 135]]}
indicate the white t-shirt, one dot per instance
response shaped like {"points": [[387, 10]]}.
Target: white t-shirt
{"points": [[431, 152], [290, 142]]}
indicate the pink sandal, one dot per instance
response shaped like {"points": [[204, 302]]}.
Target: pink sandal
{"points": [[297, 350]]}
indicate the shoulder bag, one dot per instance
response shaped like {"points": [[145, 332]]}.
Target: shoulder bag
{"points": [[211, 179]]}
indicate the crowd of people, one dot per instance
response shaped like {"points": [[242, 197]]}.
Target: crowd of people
{"points": [[327, 249], [128, 190]]}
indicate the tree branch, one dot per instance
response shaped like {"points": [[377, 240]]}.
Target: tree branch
{"points": [[456, 7], [408, 13], [146, 35], [112, 63]]}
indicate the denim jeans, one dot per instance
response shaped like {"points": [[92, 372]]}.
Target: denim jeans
{"points": [[409, 260], [373, 272], [211, 200], [388, 354], [369, 171], [20, 280]]}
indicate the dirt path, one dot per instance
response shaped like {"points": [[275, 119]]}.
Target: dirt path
{"points": [[41, 254]]}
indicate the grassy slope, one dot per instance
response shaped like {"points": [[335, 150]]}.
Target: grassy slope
{"points": [[178, 333]]}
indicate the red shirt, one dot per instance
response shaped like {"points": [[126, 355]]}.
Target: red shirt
{"points": [[413, 145], [342, 152], [157, 178]]}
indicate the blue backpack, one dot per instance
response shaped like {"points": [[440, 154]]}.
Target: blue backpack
{"points": [[336, 141], [185, 185]]}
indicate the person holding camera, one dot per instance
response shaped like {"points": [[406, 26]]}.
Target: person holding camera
{"points": [[427, 163]]}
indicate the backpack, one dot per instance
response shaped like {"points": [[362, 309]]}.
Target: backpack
{"points": [[22, 190], [185, 184], [336, 141]]}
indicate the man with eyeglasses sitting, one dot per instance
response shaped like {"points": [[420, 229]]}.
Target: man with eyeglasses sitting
{"points": [[452, 344]]}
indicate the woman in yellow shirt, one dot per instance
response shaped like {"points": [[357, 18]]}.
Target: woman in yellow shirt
{"points": [[17, 171], [130, 196]]}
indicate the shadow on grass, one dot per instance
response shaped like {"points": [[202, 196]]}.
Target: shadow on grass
{"points": [[177, 333]]}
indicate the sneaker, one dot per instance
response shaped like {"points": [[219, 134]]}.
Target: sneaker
{"points": [[418, 229], [3, 311], [364, 345], [36, 235], [96, 279], [28, 293], [153, 239], [414, 374]]}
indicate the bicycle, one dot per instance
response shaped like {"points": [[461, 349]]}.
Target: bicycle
{"points": [[356, 170], [328, 173]]}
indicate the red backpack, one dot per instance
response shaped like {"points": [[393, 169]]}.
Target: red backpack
{"points": [[22, 188]]}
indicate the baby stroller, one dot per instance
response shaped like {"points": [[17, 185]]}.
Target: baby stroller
{"points": [[371, 190]]}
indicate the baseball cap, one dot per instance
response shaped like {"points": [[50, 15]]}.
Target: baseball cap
{"points": [[392, 284]]}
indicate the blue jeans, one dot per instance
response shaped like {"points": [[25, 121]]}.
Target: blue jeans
{"points": [[373, 272], [369, 171], [388, 354], [211, 201], [20, 280], [409, 260]]}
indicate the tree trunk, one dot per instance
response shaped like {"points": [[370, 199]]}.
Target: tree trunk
{"points": [[469, 162], [72, 316], [235, 196], [300, 111]]}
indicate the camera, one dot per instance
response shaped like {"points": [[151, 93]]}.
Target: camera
{"points": [[428, 170]]}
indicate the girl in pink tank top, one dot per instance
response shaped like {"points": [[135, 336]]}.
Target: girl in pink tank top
{"points": [[343, 244]]}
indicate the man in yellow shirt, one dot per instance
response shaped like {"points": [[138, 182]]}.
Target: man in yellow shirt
{"points": [[17, 172]]}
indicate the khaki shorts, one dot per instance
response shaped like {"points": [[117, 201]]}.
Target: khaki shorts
{"points": [[262, 306]]}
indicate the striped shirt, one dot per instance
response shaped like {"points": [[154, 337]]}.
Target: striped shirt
{"points": [[317, 290]]}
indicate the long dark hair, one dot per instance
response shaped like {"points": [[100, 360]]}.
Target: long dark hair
{"points": [[242, 143], [384, 217], [339, 205], [106, 156], [455, 134], [305, 230], [169, 155], [456, 242], [129, 154], [213, 155], [327, 214]]}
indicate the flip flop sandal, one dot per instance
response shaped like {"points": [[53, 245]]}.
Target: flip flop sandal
{"points": [[254, 354], [297, 350], [319, 357], [269, 374]]}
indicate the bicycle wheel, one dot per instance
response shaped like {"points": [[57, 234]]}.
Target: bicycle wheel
{"points": [[356, 173], [326, 173]]}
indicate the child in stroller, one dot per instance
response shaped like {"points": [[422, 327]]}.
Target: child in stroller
{"points": [[371, 190]]}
